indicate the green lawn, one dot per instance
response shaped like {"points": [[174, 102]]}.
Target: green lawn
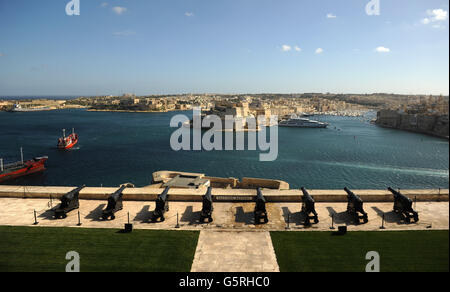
{"points": [[402, 251], [44, 249]]}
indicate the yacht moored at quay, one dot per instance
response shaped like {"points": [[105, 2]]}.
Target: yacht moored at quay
{"points": [[301, 122]]}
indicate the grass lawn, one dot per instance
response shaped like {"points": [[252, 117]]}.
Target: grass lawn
{"points": [[402, 251], [44, 249]]}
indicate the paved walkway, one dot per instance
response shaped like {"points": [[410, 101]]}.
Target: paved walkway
{"points": [[234, 252], [227, 216]]}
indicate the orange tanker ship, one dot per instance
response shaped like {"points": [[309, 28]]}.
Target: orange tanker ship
{"points": [[21, 168], [69, 141]]}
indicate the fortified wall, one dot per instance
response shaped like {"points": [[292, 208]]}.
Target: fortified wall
{"points": [[426, 124]]}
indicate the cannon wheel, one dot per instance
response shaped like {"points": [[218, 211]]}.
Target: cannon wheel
{"points": [[407, 219], [316, 220], [105, 217], [307, 222], [266, 220], [64, 216], [113, 217]]}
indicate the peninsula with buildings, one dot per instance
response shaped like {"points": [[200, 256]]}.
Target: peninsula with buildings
{"points": [[418, 113]]}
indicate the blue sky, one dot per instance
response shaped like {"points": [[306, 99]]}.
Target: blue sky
{"points": [[225, 46]]}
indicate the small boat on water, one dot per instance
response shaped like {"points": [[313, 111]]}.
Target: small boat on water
{"points": [[21, 168], [299, 122], [18, 108], [69, 141]]}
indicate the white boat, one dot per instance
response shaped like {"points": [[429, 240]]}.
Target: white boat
{"points": [[19, 108], [298, 122]]}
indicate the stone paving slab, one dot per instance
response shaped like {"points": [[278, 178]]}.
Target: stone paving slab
{"points": [[227, 216], [236, 251]]}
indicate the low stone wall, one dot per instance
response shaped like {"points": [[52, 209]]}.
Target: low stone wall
{"points": [[221, 195]]}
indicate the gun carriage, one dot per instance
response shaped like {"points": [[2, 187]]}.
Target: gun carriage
{"points": [[115, 204], [69, 202], [308, 208], [260, 208], [403, 207], [162, 206], [207, 208], [355, 207]]}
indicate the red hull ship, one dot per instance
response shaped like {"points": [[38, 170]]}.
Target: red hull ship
{"points": [[69, 141], [21, 168]]}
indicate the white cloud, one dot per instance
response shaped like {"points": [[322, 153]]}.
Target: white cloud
{"points": [[435, 15], [319, 51], [331, 15], [382, 50], [189, 14], [438, 14], [124, 33], [119, 10], [286, 48], [298, 49], [104, 4]]}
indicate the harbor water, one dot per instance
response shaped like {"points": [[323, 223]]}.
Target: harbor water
{"points": [[115, 148]]}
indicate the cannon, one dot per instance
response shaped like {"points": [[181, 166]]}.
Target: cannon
{"points": [[207, 208], [308, 207], [355, 206], [260, 208], [162, 206], [115, 204], [403, 206], [68, 203]]}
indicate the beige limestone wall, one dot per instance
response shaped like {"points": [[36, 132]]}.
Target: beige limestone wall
{"points": [[224, 195]]}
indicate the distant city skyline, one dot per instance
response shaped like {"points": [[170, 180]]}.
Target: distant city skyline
{"points": [[223, 46]]}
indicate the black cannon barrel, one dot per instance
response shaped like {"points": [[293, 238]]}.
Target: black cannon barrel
{"points": [[352, 196], [207, 198], [399, 195], [115, 197], [260, 196], [119, 193], [349, 192], [74, 192], [260, 208], [395, 193], [70, 196], [163, 195], [306, 195]]}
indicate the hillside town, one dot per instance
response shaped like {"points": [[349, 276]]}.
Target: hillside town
{"points": [[419, 113]]}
